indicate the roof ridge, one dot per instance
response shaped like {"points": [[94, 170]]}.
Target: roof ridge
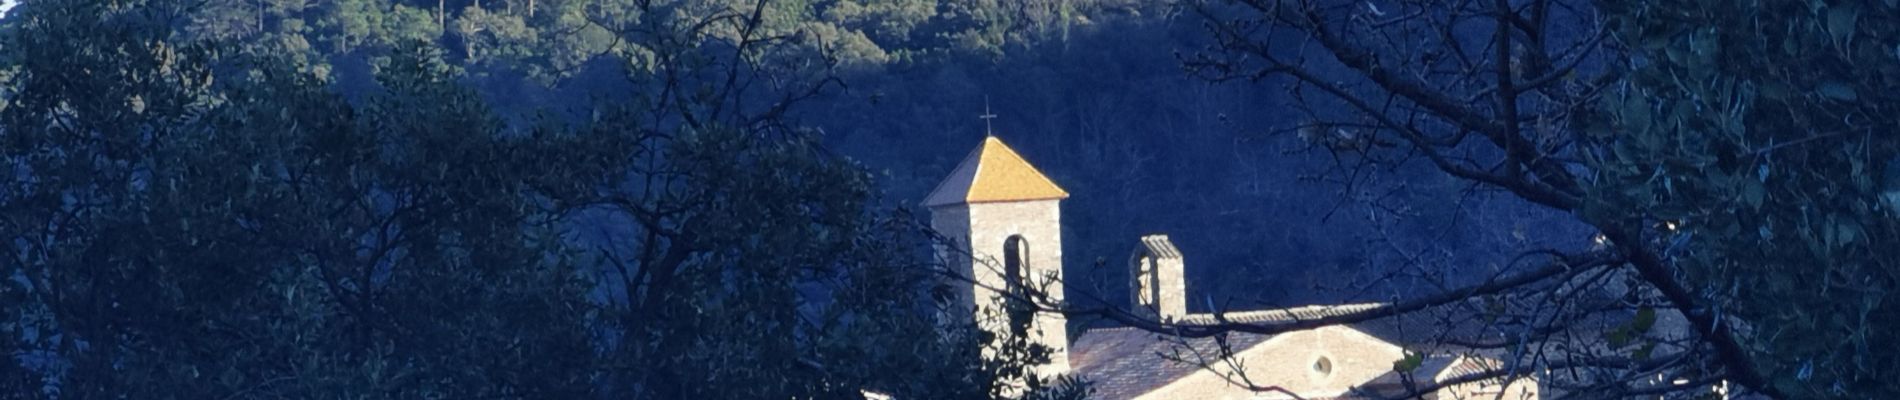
{"points": [[1284, 314]]}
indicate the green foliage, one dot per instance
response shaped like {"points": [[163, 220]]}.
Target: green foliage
{"points": [[1626, 333], [488, 35], [1410, 363], [194, 214], [1763, 129], [546, 41], [261, 237]]}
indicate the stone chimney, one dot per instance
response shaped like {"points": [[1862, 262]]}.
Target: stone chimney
{"points": [[1159, 287]]}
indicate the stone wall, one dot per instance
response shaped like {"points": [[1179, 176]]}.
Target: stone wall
{"points": [[1321, 362], [985, 228]]}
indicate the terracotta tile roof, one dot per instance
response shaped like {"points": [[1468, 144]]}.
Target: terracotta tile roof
{"points": [[991, 173]]}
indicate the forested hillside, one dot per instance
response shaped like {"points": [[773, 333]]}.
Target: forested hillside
{"points": [[1093, 91], [245, 109], [660, 198], [471, 200]]}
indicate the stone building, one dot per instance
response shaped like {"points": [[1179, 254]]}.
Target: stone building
{"points": [[1002, 218]]}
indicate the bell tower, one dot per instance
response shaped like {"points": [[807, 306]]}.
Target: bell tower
{"points": [[1159, 288], [1001, 217]]}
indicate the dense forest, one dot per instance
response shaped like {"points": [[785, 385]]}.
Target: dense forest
{"points": [[1093, 91], [660, 198]]}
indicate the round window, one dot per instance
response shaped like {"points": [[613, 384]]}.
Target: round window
{"points": [[1324, 366]]}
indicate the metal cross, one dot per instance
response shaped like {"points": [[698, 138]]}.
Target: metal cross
{"points": [[987, 116]]}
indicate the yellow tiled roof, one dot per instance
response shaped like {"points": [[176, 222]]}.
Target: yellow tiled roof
{"points": [[992, 173]]}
